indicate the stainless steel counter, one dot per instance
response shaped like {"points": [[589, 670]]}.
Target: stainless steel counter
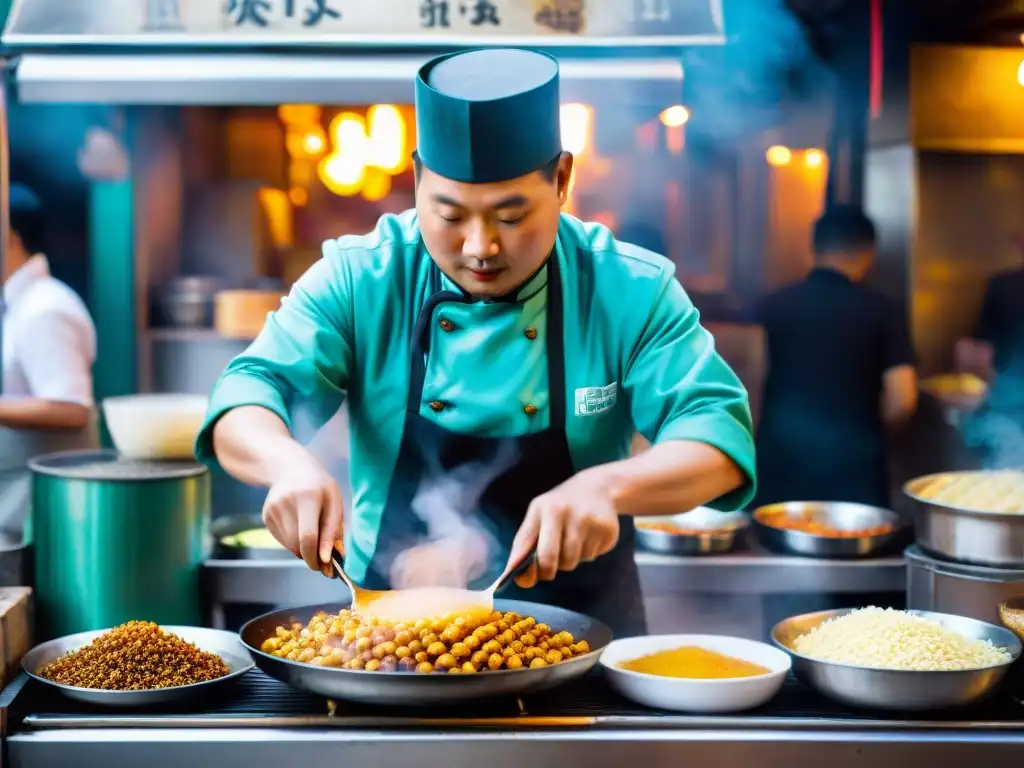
{"points": [[762, 573], [290, 582], [698, 747], [264, 723]]}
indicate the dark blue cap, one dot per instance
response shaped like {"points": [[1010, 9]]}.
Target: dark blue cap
{"points": [[488, 115]]}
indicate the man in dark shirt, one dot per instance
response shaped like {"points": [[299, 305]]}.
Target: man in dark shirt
{"points": [[840, 372]]}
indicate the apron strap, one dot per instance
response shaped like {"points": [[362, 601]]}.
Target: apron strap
{"points": [[556, 346]]}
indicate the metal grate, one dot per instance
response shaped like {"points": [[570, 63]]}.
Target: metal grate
{"points": [[257, 696]]}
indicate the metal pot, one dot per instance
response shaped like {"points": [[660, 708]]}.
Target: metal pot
{"points": [[966, 535], [187, 302], [964, 590], [116, 539]]}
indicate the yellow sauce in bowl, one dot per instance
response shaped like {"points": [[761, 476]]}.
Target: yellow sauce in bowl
{"points": [[694, 663]]}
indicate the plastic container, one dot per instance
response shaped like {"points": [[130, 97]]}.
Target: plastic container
{"points": [[155, 426]]}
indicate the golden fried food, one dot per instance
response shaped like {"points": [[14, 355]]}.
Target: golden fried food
{"points": [[135, 656], [463, 644], [806, 522]]}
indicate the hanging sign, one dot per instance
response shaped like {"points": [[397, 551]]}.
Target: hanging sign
{"points": [[401, 22]]}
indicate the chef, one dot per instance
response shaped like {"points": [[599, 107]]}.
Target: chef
{"points": [[49, 346], [487, 339]]}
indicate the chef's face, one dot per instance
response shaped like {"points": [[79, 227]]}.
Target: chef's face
{"points": [[491, 238]]}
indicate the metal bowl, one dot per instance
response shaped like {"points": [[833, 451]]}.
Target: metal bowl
{"points": [[836, 514], [896, 689], [716, 540], [410, 688], [966, 535], [224, 644], [229, 526]]}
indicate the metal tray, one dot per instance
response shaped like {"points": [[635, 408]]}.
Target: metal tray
{"points": [[410, 688], [229, 526], [962, 535], [838, 515], [712, 542], [899, 689], [224, 644]]}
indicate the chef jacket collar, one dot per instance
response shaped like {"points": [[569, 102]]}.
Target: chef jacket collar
{"points": [[537, 282], [36, 268]]}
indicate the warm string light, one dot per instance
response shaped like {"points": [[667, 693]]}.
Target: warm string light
{"points": [[305, 141], [360, 155], [779, 156], [814, 158], [675, 117], [577, 126], [365, 152]]}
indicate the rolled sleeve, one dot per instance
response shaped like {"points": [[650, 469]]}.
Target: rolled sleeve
{"points": [[301, 359], [680, 388]]}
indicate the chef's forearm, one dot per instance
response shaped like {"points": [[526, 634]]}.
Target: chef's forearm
{"points": [[671, 477], [36, 413], [253, 444]]}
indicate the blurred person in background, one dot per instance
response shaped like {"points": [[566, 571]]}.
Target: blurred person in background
{"points": [[49, 345], [995, 353], [840, 375]]}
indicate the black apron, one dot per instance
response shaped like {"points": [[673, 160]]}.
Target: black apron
{"points": [[527, 466]]}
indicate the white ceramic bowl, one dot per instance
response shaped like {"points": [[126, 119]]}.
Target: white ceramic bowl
{"points": [[696, 695], [155, 426]]}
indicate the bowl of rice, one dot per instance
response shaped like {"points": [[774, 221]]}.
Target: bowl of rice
{"points": [[882, 658]]}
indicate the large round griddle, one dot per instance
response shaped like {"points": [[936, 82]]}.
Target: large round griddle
{"points": [[410, 688]]}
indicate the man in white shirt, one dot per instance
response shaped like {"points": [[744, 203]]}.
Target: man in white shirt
{"points": [[49, 346]]}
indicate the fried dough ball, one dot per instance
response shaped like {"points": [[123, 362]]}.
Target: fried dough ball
{"points": [[451, 644]]}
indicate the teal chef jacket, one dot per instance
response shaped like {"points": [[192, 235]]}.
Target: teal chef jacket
{"points": [[636, 356]]}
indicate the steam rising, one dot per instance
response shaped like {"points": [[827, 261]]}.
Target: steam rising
{"points": [[769, 60], [998, 426], [460, 545]]}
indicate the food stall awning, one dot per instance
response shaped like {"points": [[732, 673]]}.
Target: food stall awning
{"points": [[333, 51]]}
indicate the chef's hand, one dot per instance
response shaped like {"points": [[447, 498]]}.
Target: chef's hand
{"points": [[573, 523], [303, 511]]}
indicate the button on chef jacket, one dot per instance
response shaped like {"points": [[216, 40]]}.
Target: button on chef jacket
{"points": [[635, 355]]}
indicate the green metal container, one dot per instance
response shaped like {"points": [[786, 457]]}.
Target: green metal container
{"points": [[116, 539]]}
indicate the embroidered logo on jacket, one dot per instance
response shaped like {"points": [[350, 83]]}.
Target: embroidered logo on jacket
{"points": [[591, 401]]}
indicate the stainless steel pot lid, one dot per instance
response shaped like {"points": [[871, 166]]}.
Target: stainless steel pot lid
{"points": [[106, 465]]}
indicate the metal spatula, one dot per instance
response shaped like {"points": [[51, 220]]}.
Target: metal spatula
{"points": [[456, 600]]}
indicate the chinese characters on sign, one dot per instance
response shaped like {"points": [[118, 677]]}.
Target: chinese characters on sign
{"points": [[432, 20], [651, 10], [163, 15], [435, 14], [561, 15], [258, 12]]}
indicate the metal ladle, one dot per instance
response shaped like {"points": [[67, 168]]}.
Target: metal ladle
{"points": [[473, 600]]}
